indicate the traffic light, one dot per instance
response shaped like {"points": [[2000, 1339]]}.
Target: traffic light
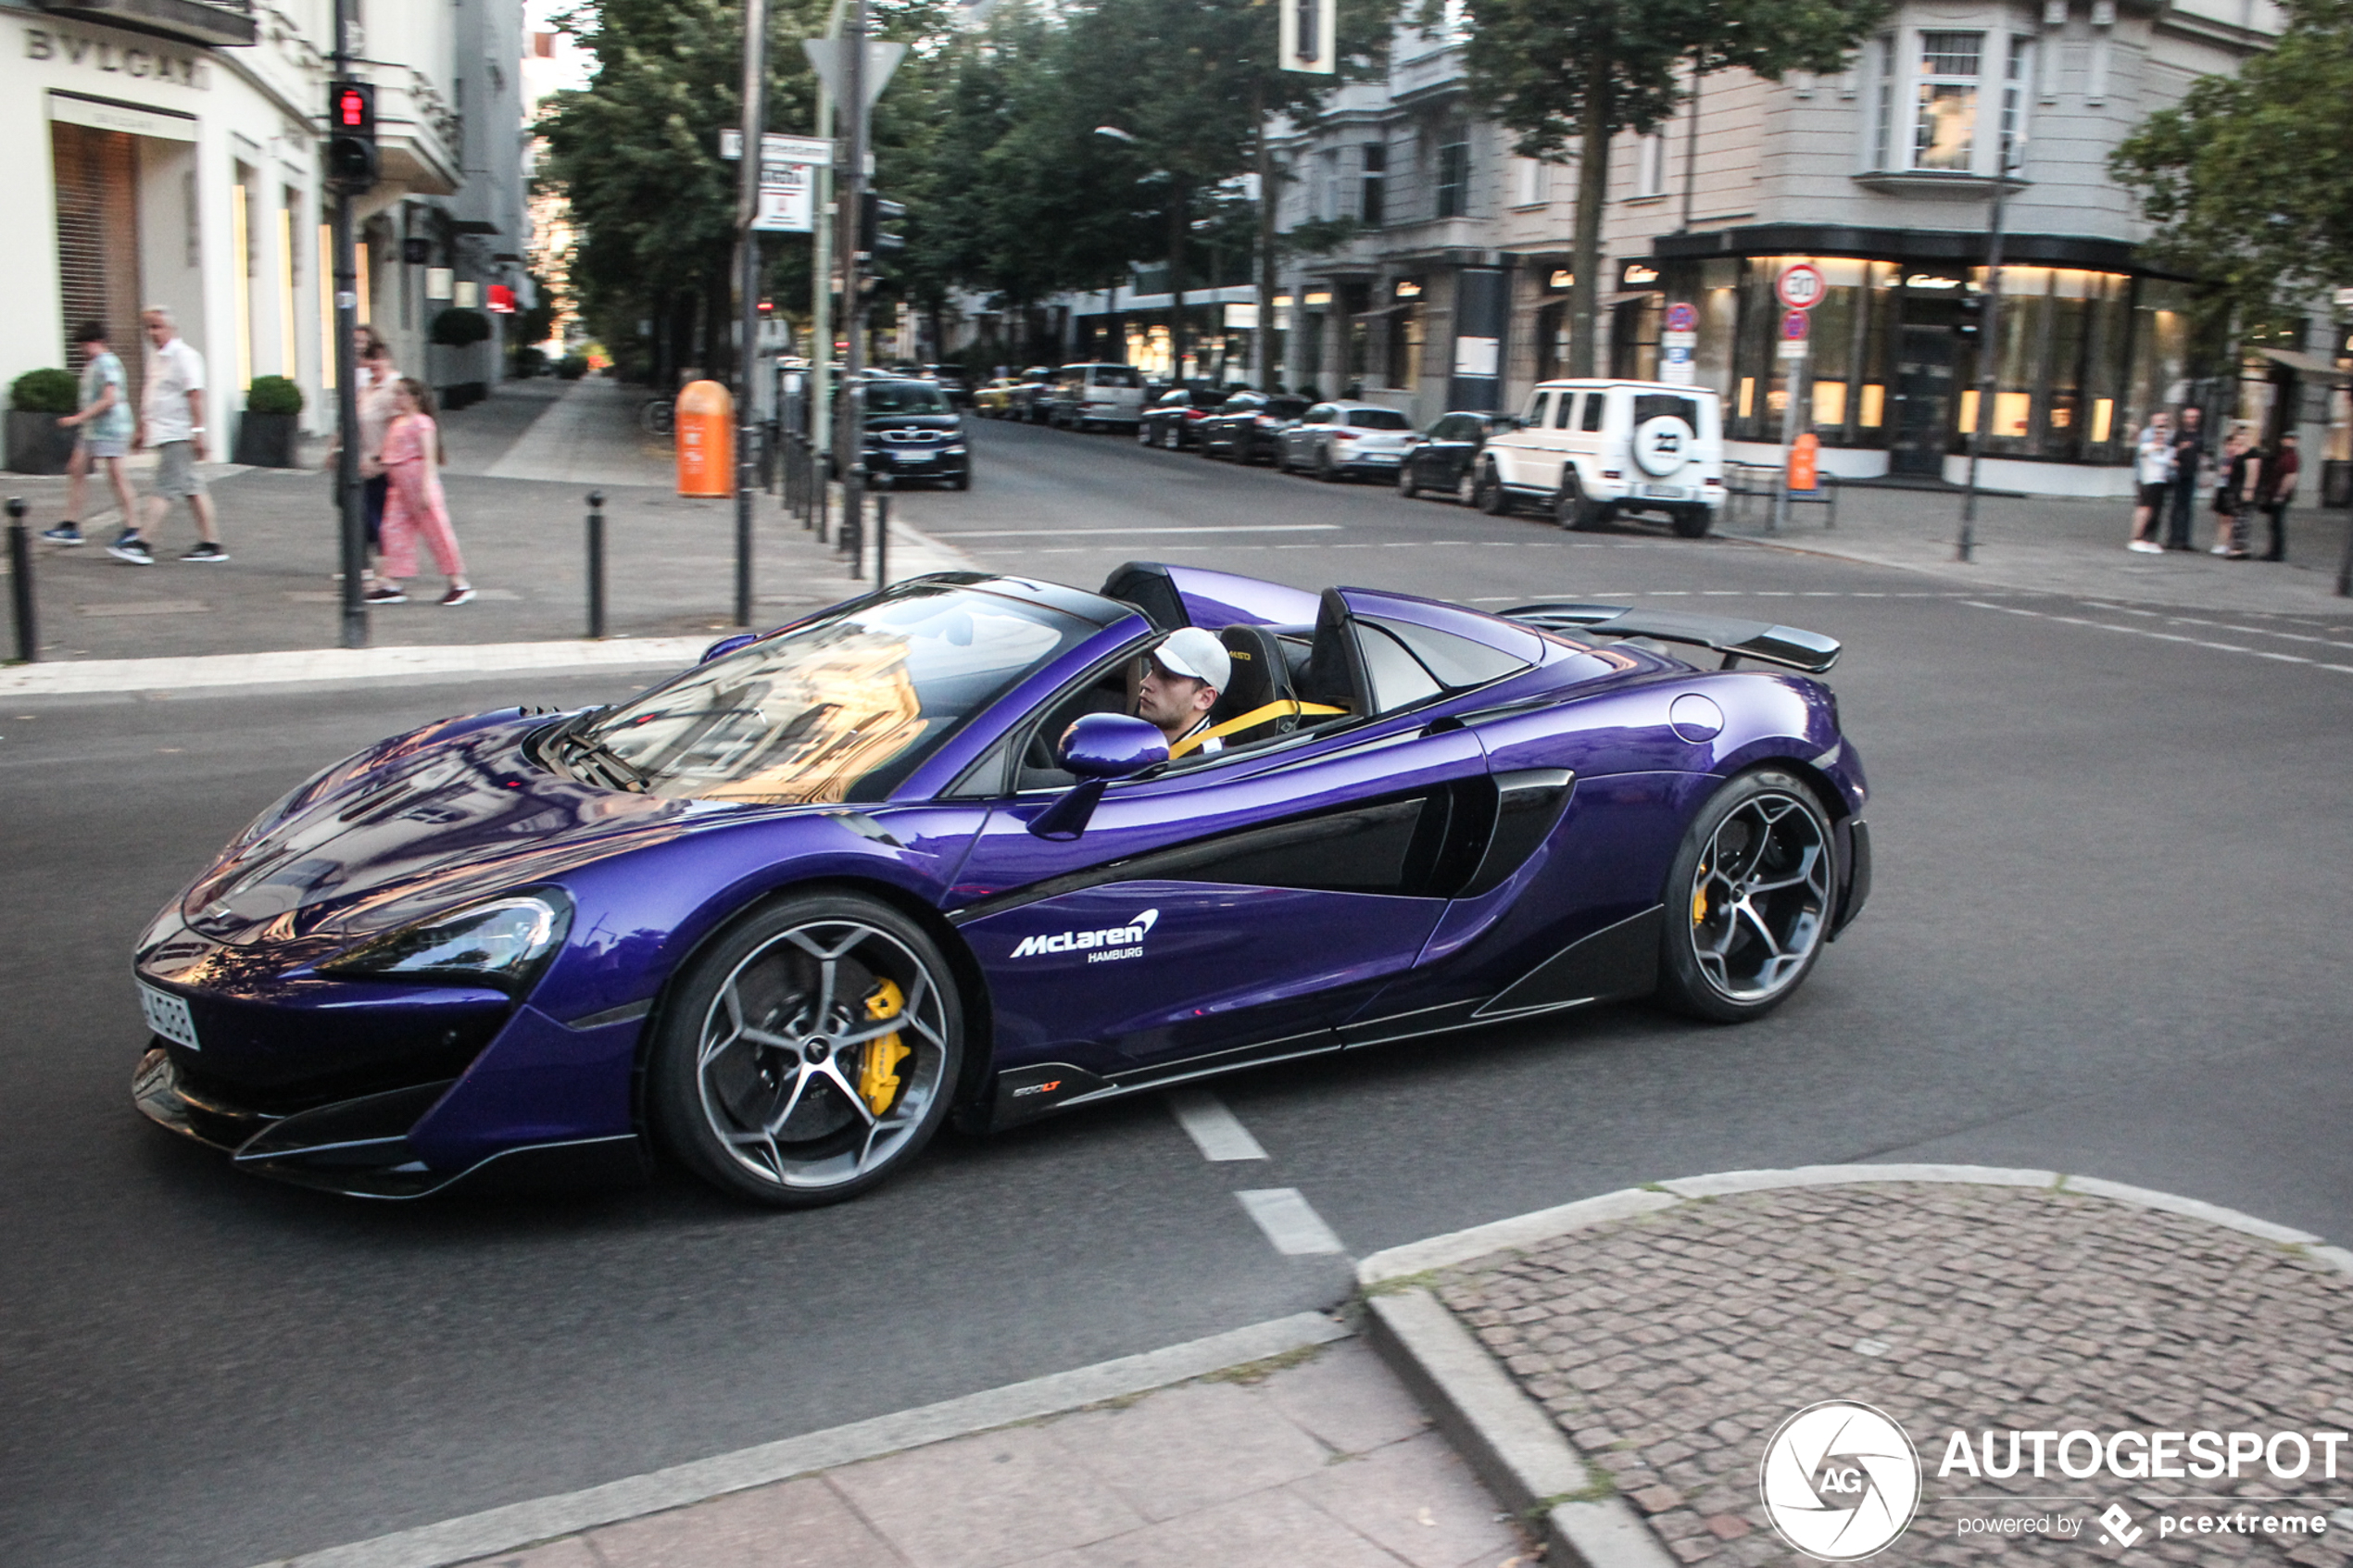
{"points": [[872, 214], [1970, 322], [351, 135]]}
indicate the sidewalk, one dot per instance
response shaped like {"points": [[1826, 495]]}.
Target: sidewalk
{"points": [[2071, 548], [521, 466], [1607, 1375]]}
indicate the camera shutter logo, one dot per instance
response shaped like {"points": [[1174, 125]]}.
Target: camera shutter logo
{"points": [[1840, 1481]]}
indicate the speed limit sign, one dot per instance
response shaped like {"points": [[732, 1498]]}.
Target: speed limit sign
{"points": [[1801, 287]]}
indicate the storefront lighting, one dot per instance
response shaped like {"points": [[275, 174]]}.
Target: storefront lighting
{"points": [[1406, 289]]}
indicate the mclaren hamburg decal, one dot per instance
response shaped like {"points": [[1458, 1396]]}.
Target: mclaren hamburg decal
{"points": [[1100, 947]]}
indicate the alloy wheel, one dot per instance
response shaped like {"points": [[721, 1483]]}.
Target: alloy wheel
{"points": [[1760, 898]]}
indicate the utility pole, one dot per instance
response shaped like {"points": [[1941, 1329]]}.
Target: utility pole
{"points": [[353, 530], [755, 127], [850, 445], [821, 281], [1261, 342], [1989, 345]]}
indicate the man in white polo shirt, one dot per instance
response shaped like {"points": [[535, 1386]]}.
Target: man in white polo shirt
{"points": [[171, 421], [1181, 680]]}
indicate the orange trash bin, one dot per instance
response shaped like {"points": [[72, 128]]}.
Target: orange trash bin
{"points": [[1804, 458], [706, 426]]}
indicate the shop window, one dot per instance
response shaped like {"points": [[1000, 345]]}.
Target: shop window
{"points": [[1945, 131], [1551, 340], [1375, 189], [1404, 359], [1633, 338], [1356, 302], [1871, 408], [1453, 173], [1830, 403], [1747, 409]]}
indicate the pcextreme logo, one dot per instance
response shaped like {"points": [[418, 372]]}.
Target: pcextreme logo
{"points": [[1840, 1481], [1100, 947]]}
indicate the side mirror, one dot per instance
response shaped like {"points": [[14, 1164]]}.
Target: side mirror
{"points": [[1099, 748]]}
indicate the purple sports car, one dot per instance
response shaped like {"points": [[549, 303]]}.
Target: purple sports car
{"points": [[912, 857]]}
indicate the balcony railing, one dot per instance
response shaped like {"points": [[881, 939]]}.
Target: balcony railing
{"points": [[215, 24]]}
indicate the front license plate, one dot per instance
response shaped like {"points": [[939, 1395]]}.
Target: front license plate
{"points": [[1666, 491], [168, 1017], [911, 457]]}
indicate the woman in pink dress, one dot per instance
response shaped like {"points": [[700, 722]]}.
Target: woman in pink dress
{"points": [[414, 502]]}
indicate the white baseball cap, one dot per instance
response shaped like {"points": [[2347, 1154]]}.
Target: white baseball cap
{"points": [[1191, 651]]}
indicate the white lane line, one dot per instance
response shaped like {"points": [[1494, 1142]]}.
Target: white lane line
{"points": [[1216, 1131], [1296, 1229], [2164, 636], [1170, 528], [2217, 625]]}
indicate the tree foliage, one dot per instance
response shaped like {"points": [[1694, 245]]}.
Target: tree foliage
{"points": [[2249, 179], [1558, 71]]}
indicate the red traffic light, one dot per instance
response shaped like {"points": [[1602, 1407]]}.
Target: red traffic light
{"points": [[351, 107]]}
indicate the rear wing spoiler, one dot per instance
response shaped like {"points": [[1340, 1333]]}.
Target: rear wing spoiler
{"points": [[1786, 645]]}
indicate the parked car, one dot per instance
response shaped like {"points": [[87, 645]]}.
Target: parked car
{"points": [[952, 382], [1336, 440], [1592, 451], [1095, 394], [994, 400], [1250, 425], [1028, 399], [913, 433], [783, 914], [1445, 460], [1172, 419]]}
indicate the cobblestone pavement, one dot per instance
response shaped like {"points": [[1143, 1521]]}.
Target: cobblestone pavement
{"points": [[1671, 1347]]}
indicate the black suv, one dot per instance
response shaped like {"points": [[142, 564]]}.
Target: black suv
{"points": [[912, 432]]}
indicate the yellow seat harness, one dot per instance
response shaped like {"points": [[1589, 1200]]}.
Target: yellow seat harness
{"points": [[1283, 707]]}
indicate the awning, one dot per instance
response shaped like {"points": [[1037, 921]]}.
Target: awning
{"points": [[2314, 365]]}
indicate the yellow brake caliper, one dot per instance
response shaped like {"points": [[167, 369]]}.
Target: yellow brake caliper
{"points": [[1698, 899], [878, 1079]]}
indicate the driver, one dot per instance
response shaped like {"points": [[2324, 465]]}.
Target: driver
{"points": [[1181, 681]]}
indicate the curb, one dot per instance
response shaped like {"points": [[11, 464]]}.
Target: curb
{"points": [[524, 1524], [1513, 1443]]}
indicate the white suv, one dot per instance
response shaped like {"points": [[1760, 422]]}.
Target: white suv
{"points": [[1588, 450], [1083, 396]]}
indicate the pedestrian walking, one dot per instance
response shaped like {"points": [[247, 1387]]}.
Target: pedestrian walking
{"points": [[372, 394], [2189, 466], [2153, 472], [2278, 489], [2242, 471], [171, 420], [411, 461], [103, 426]]}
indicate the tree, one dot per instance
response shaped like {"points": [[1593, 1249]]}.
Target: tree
{"points": [[1554, 71], [2249, 179]]}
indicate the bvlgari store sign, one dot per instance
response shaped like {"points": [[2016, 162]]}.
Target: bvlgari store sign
{"points": [[101, 59]]}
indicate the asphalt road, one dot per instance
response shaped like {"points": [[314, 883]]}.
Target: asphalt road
{"points": [[2109, 936]]}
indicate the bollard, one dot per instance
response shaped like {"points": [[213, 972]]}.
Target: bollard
{"points": [[817, 481], [882, 540], [21, 582], [596, 563], [852, 532]]}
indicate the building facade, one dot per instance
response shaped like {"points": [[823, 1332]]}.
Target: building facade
{"points": [[168, 154], [1446, 283]]}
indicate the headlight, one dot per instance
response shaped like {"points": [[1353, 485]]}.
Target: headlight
{"points": [[952, 451], [502, 941]]}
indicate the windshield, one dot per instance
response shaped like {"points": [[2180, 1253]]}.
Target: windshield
{"points": [[842, 709], [905, 398], [1114, 375], [1376, 419]]}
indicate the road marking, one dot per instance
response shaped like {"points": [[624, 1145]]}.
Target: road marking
{"points": [[1296, 1229], [2164, 636], [1216, 1131], [2218, 625], [1171, 528]]}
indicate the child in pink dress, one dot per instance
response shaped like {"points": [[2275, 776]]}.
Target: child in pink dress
{"points": [[414, 502]]}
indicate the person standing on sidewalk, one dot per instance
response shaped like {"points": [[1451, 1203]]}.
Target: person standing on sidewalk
{"points": [[2235, 493], [2153, 472], [2189, 466], [2278, 489], [411, 461], [171, 421], [102, 434]]}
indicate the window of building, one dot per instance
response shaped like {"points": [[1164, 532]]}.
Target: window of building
{"points": [[1404, 359], [1529, 185], [1650, 165], [1882, 99], [1322, 188], [1453, 172], [1375, 202], [1944, 132], [2014, 98]]}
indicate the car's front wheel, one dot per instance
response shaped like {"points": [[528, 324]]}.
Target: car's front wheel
{"points": [[1748, 899], [1488, 492], [1406, 485], [1466, 487], [809, 1052]]}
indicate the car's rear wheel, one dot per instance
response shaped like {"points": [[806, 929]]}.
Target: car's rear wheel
{"points": [[808, 1053], [1748, 899], [1692, 523], [1466, 487], [1324, 469], [1406, 485], [1488, 492]]}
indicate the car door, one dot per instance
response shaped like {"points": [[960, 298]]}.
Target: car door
{"points": [[1299, 441], [1233, 910]]}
